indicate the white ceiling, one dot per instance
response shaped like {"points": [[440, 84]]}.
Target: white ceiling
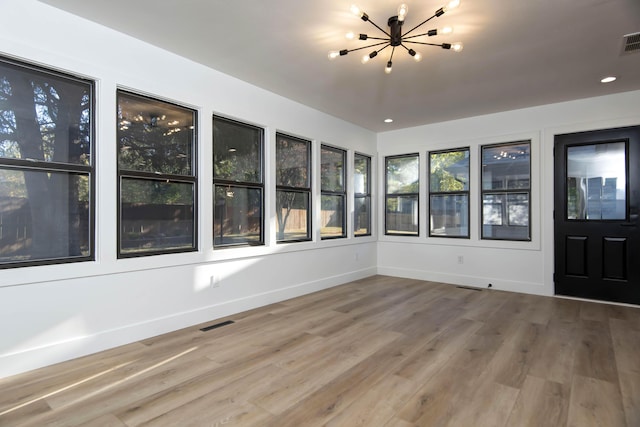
{"points": [[517, 53]]}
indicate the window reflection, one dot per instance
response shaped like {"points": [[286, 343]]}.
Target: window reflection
{"points": [[596, 181]]}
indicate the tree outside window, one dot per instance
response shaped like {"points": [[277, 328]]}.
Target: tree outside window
{"points": [[333, 192], [293, 188], [46, 166], [449, 193], [402, 186]]}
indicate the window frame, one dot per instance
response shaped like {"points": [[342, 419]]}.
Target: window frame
{"points": [[506, 192], [366, 196], [342, 194], [293, 189], [387, 195], [240, 184], [33, 165], [466, 193], [155, 176]]}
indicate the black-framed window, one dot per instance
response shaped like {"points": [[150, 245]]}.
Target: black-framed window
{"points": [[47, 176], [449, 193], [157, 181], [362, 195], [333, 187], [293, 189], [238, 183], [506, 191], [402, 187]]}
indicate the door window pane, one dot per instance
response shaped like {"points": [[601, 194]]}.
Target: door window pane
{"points": [[596, 181]]}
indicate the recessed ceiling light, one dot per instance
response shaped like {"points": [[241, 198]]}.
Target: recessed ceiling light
{"points": [[388, 120], [608, 79]]}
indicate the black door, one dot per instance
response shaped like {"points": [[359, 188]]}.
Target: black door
{"points": [[597, 196]]}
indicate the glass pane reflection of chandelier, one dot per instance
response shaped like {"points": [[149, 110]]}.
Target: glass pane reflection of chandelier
{"points": [[394, 37]]}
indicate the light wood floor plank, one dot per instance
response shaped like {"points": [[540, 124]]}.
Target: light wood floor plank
{"points": [[595, 402], [377, 352]]}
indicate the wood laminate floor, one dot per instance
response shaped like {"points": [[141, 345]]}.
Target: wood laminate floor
{"points": [[380, 351]]}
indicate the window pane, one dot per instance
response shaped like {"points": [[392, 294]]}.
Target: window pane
{"points": [[361, 174], [156, 215], [292, 162], [332, 216], [237, 216], [506, 167], [362, 216], [505, 216], [449, 171], [403, 174], [43, 116], [237, 151], [596, 181], [154, 136], [292, 213], [332, 169], [402, 215], [449, 215], [43, 215]]}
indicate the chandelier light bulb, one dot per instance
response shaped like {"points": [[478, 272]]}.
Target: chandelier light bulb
{"points": [[451, 5], [355, 10], [445, 30], [402, 11], [365, 59], [456, 47], [417, 57], [387, 69], [333, 54], [350, 35]]}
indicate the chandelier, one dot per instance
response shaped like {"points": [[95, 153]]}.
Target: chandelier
{"points": [[394, 37]]}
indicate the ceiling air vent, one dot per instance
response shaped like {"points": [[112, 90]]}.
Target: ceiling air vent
{"points": [[631, 43]]}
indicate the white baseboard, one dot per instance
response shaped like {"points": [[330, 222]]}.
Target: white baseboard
{"points": [[471, 281], [33, 358]]}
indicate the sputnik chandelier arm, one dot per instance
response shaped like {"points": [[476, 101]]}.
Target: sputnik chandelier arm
{"points": [[395, 37]]}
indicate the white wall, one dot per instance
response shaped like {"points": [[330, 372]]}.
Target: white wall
{"points": [[514, 266], [53, 313]]}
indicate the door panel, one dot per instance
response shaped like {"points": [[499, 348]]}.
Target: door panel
{"points": [[596, 199]]}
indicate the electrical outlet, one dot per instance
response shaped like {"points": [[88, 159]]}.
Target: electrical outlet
{"points": [[460, 259], [214, 281]]}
